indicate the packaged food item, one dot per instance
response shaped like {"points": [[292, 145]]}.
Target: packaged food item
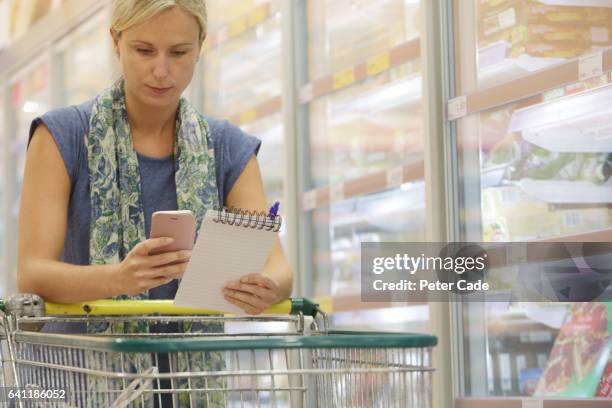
{"points": [[596, 168], [528, 380], [604, 390], [581, 351], [541, 164], [487, 5], [511, 215], [544, 31], [598, 15], [580, 219], [495, 231]]}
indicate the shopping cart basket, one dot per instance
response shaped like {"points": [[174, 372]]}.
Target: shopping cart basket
{"points": [[303, 365]]}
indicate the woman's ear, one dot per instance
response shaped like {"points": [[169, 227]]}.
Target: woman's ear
{"points": [[201, 48], [115, 38]]}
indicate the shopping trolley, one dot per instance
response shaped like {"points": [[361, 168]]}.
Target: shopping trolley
{"points": [[182, 357]]}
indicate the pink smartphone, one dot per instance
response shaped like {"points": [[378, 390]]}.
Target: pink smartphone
{"points": [[179, 225]]}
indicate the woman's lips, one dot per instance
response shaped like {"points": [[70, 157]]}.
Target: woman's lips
{"points": [[158, 91]]}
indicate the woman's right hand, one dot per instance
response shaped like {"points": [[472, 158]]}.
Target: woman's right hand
{"points": [[140, 271]]}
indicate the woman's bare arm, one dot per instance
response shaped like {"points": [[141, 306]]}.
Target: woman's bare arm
{"points": [[43, 217], [248, 192]]}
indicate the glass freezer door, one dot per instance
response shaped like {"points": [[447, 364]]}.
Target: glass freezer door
{"points": [[242, 80], [534, 154], [365, 138], [3, 281], [86, 61]]}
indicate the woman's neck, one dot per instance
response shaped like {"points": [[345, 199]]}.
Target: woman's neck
{"points": [[150, 123], [152, 129]]}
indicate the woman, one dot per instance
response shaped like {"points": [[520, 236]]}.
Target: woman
{"points": [[96, 172]]}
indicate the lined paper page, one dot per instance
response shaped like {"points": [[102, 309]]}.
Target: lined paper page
{"points": [[222, 253]]}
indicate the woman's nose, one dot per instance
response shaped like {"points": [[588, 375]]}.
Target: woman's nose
{"points": [[160, 68]]}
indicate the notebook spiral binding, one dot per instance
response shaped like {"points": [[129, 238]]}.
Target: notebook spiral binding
{"points": [[248, 219]]}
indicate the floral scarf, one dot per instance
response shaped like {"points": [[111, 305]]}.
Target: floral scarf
{"points": [[117, 215]]}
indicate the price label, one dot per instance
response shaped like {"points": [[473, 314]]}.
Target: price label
{"points": [[457, 108], [309, 200], [378, 64], [248, 116], [532, 403], [590, 65], [258, 16], [306, 93], [600, 34], [237, 27], [395, 177], [506, 19], [336, 192], [344, 78]]}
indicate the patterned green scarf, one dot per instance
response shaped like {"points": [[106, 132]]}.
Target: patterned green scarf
{"points": [[117, 216]]}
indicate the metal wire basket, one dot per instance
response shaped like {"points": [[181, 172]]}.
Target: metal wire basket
{"points": [[179, 360]]}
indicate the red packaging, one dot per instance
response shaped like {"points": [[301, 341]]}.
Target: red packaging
{"points": [[605, 386]]}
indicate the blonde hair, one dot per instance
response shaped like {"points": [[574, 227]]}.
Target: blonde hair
{"points": [[128, 13]]}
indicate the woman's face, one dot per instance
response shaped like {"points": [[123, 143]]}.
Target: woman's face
{"points": [[158, 57]]}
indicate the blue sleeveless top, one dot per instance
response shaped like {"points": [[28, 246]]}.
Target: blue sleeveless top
{"points": [[69, 127]]}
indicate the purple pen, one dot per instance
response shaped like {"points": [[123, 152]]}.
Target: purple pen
{"points": [[274, 210]]}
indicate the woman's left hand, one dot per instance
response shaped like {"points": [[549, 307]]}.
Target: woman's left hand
{"points": [[253, 293]]}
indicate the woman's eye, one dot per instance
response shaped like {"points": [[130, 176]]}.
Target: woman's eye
{"points": [[143, 50], [179, 52]]}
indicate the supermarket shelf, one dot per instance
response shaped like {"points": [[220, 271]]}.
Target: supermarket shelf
{"points": [[400, 54], [495, 67], [529, 85], [263, 109], [513, 326], [502, 255], [498, 255], [575, 123], [406, 93], [551, 315], [511, 402], [603, 235], [48, 29], [368, 184], [493, 176], [234, 29], [578, 3], [567, 192]]}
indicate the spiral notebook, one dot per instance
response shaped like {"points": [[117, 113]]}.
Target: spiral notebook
{"points": [[231, 243]]}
